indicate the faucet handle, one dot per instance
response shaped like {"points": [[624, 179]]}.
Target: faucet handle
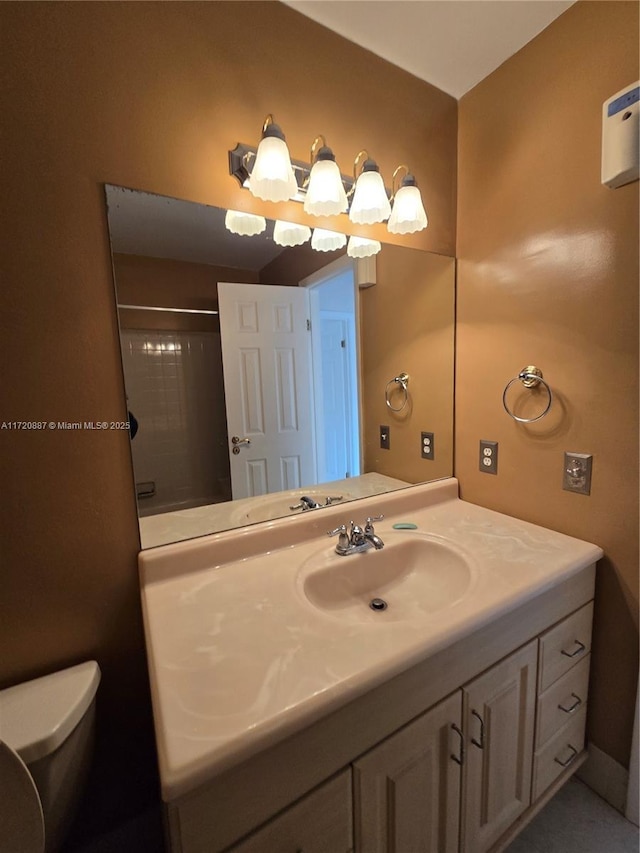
{"points": [[368, 528], [343, 538], [333, 499]]}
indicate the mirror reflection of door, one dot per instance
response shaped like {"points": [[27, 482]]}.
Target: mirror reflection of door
{"points": [[291, 382], [266, 357]]}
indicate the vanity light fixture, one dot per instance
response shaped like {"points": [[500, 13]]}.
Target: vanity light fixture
{"points": [[290, 233], [325, 194], [370, 203], [272, 177], [362, 247], [244, 224], [270, 174], [408, 214], [327, 241]]}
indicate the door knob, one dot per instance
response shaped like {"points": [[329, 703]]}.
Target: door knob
{"points": [[237, 440]]}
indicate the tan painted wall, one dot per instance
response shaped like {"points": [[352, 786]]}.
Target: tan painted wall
{"points": [[293, 265], [171, 284], [149, 96], [409, 321], [548, 275]]}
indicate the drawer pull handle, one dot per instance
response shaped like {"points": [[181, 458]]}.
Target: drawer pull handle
{"points": [[458, 760], [581, 648], [566, 763], [478, 743], [571, 708]]}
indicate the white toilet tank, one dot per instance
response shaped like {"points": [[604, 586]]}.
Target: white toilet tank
{"points": [[49, 724]]}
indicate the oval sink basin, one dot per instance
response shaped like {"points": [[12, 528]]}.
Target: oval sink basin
{"points": [[414, 575]]}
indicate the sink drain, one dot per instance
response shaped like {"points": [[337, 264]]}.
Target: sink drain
{"points": [[378, 604]]}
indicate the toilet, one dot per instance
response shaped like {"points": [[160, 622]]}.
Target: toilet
{"points": [[46, 744]]}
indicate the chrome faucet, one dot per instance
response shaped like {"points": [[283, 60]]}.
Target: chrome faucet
{"points": [[307, 503], [357, 539]]}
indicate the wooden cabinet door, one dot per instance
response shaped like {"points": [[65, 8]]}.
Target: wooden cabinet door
{"points": [[498, 714], [407, 789], [318, 823]]}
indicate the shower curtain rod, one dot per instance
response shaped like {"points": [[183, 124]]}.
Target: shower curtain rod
{"points": [[171, 310]]}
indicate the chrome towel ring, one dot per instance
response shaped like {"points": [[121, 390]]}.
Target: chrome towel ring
{"points": [[530, 377], [402, 380]]}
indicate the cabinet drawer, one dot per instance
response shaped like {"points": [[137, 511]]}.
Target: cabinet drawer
{"points": [[558, 754], [321, 822], [565, 645], [562, 701]]}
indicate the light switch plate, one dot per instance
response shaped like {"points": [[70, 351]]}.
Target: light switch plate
{"points": [[385, 439], [576, 475]]}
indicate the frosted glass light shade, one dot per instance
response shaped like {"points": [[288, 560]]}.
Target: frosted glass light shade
{"points": [[370, 203], [408, 214], [362, 247], [290, 234], [272, 177], [327, 241], [244, 224], [325, 193]]}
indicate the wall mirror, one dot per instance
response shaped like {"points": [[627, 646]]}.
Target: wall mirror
{"points": [[261, 381]]}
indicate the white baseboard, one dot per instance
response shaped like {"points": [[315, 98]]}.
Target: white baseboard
{"points": [[606, 777]]}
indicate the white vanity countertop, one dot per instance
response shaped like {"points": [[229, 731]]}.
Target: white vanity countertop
{"points": [[239, 658]]}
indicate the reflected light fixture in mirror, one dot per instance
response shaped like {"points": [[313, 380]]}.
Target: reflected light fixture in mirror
{"points": [[244, 224], [362, 247], [272, 177], [290, 233], [370, 203], [327, 241], [408, 214]]}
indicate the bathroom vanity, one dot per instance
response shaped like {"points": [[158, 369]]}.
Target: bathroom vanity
{"points": [[292, 717]]}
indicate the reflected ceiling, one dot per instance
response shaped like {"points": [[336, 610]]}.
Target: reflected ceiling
{"points": [[160, 227]]}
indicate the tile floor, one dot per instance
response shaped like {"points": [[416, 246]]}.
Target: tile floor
{"points": [[577, 820]]}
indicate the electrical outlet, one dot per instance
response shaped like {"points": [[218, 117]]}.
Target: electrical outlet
{"points": [[576, 476], [489, 457], [385, 439], [426, 445]]}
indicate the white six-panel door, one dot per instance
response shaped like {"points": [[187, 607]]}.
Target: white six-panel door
{"points": [[266, 357]]}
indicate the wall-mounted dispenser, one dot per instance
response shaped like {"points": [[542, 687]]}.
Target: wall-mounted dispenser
{"points": [[620, 138]]}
